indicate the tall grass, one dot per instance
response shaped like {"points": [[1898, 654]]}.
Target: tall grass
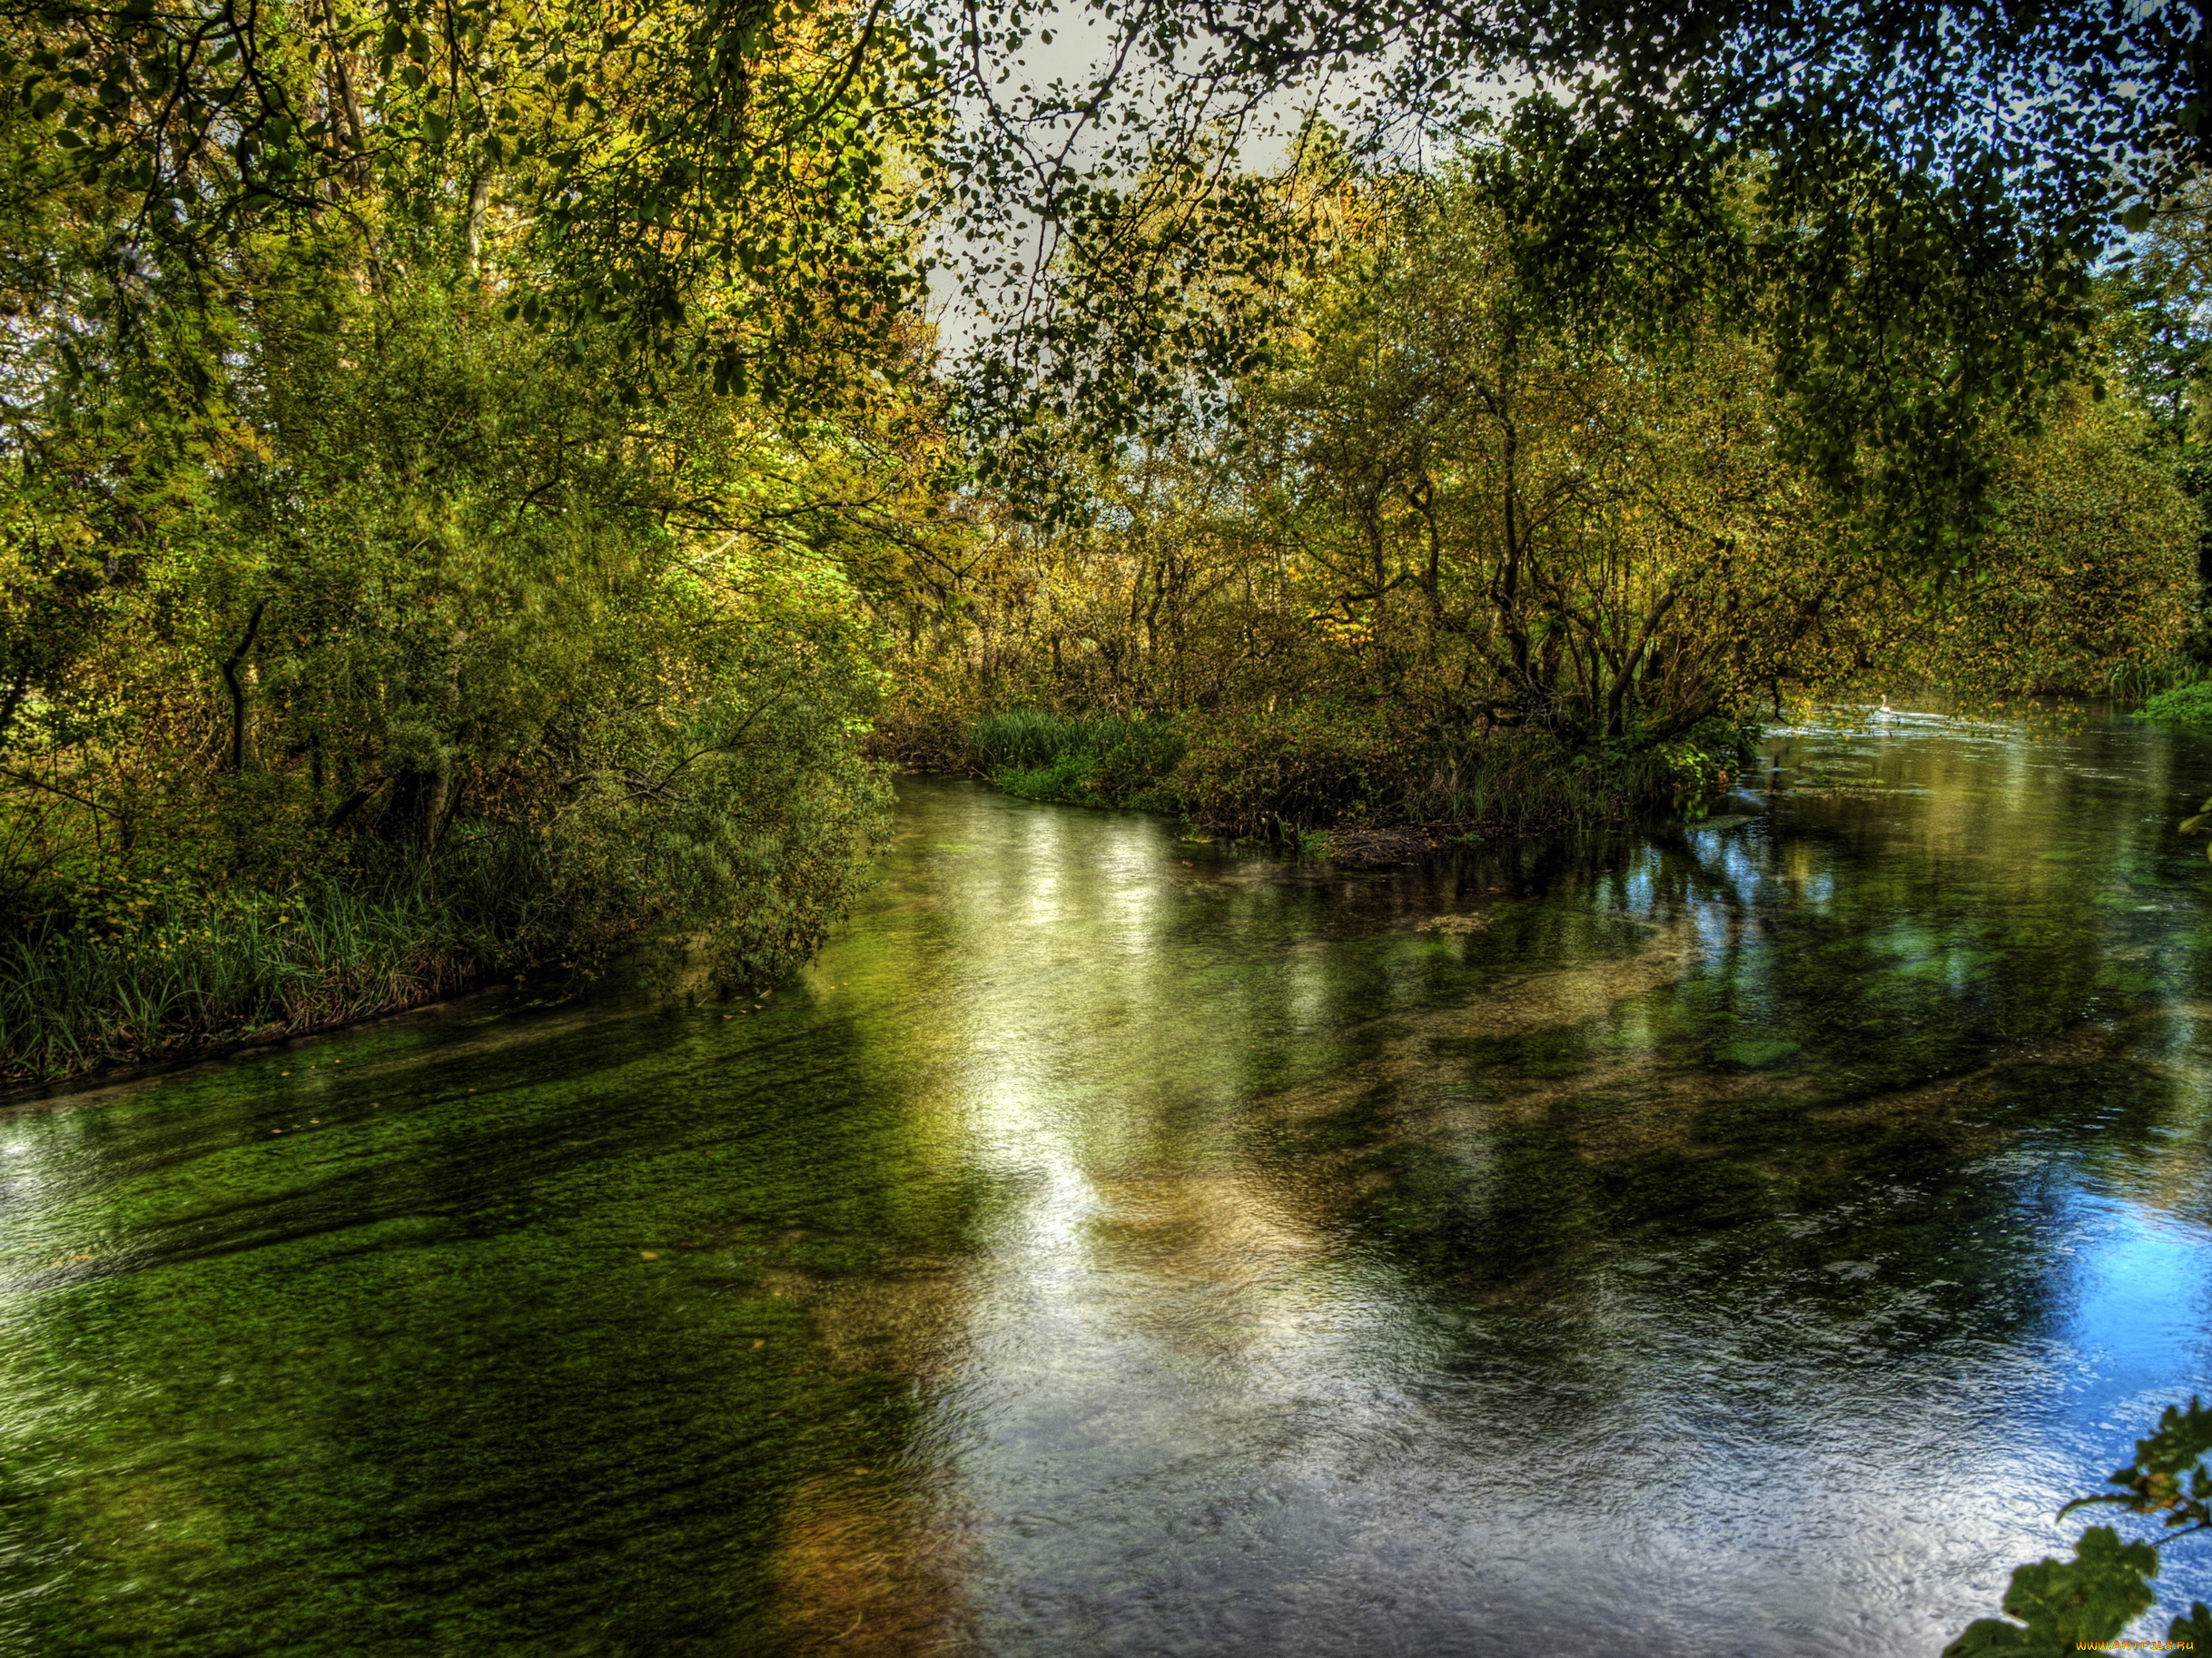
{"points": [[1094, 761], [89, 989]]}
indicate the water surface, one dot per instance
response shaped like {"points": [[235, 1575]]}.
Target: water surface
{"points": [[1734, 1239]]}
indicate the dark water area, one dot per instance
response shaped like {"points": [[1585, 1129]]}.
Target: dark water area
{"points": [[1731, 1240]]}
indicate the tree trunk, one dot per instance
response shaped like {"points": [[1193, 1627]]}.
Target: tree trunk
{"points": [[239, 745], [480, 193]]}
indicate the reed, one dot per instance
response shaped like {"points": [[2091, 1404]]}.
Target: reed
{"points": [[1094, 761], [131, 980], [2188, 700]]}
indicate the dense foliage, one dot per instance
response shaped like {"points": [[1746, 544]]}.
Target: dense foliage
{"points": [[364, 634], [470, 472], [1445, 559], [430, 619]]}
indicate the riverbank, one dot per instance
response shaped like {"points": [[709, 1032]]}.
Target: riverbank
{"points": [[161, 968], [159, 971], [1361, 787]]}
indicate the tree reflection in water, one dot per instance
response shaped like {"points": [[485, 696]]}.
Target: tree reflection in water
{"points": [[1733, 1238]]}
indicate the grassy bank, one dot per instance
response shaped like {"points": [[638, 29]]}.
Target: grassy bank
{"points": [[139, 971], [1297, 777], [1084, 762]]}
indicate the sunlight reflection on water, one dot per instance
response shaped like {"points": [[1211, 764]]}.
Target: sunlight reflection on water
{"points": [[1732, 1239]]}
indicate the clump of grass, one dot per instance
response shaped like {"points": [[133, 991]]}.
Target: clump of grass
{"points": [[103, 984], [1082, 761]]}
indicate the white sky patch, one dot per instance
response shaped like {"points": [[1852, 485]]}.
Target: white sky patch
{"points": [[1045, 93]]}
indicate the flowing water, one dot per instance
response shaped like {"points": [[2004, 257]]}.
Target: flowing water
{"points": [[1734, 1239]]}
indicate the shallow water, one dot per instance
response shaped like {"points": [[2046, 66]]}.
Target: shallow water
{"points": [[1735, 1240]]}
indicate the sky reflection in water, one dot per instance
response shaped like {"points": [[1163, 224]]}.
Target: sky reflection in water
{"points": [[1733, 1240]]}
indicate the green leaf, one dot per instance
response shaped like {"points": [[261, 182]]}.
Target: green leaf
{"points": [[2092, 1597], [2183, 1438], [1995, 1638], [2194, 1626]]}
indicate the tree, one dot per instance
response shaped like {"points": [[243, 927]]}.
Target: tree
{"points": [[449, 515]]}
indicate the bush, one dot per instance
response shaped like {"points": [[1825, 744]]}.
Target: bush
{"points": [[422, 688], [1278, 775], [1287, 774], [2187, 705]]}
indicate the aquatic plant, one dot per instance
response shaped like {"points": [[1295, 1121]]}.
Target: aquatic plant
{"points": [[2184, 704]]}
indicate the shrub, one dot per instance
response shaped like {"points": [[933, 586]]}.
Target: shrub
{"points": [[2187, 705], [1279, 773], [1286, 775]]}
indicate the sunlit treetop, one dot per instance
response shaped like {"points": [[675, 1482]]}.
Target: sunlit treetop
{"points": [[751, 191]]}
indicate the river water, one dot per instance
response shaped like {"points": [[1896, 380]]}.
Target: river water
{"points": [[1731, 1240]]}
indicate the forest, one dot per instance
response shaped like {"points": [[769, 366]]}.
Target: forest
{"points": [[488, 486]]}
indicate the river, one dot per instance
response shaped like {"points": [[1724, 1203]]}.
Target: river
{"points": [[1733, 1239]]}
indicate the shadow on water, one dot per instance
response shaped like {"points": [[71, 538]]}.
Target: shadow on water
{"points": [[1735, 1239]]}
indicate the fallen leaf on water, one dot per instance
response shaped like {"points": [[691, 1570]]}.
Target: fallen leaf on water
{"points": [[761, 1341], [650, 1255]]}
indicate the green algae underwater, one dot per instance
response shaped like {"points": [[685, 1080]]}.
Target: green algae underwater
{"points": [[1736, 1237]]}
